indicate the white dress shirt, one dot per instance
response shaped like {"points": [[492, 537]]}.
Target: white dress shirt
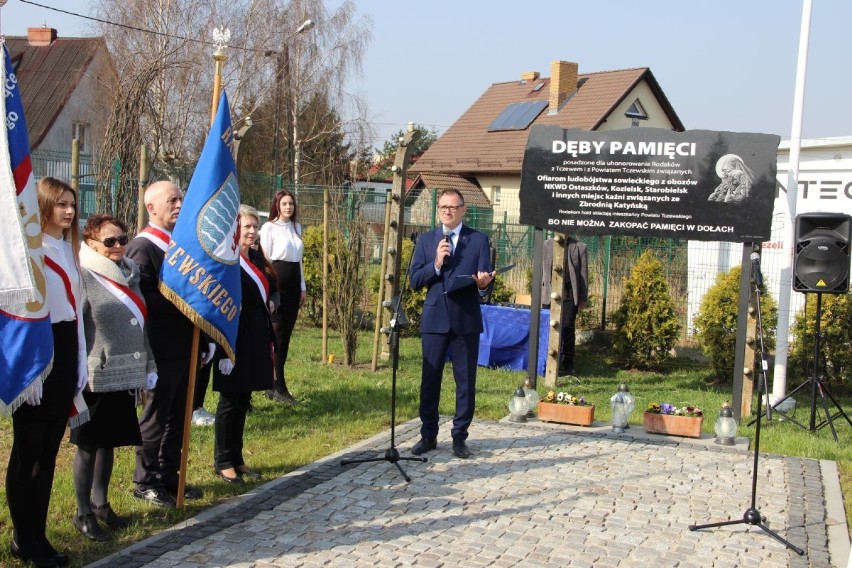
{"points": [[281, 240], [57, 297]]}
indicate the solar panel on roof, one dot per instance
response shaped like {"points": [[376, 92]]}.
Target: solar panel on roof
{"points": [[517, 116]]}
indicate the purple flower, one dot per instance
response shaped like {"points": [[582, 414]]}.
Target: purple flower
{"points": [[667, 408]]}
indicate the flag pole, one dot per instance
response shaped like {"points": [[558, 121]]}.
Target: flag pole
{"points": [[221, 37], [190, 393], [779, 382], [219, 57]]}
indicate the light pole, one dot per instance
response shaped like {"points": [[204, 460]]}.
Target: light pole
{"points": [[282, 73]]}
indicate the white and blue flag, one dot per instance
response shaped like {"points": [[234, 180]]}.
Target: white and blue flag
{"points": [[27, 339], [201, 272]]}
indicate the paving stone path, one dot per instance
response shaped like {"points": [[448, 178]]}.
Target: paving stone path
{"points": [[532, 495]]}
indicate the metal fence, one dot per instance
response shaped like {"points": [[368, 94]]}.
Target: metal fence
{"points": [[610, 258]]}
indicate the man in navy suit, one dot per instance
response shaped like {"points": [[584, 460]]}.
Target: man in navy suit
{"points": [[451, 316]]}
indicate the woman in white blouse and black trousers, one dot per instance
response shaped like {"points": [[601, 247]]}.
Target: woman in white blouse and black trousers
{"points": [[281, 241], [39, 425]]}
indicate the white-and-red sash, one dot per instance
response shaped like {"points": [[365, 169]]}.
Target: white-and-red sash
{"points": [[258, 276], [79, 412], [126, 296], [157, 236], [57, 268]]}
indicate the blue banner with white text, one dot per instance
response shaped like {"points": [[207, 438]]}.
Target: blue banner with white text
{"points": [[201, 271]]}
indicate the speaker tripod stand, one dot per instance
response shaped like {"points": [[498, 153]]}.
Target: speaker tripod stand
{"points": [[752, 515], [818, 386]]}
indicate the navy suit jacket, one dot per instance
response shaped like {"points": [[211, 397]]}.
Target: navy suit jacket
{"points": [[457, 311]]}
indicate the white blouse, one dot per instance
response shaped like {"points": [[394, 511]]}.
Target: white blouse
{"points": [[61, 252], [57, 297], [281, 241]]}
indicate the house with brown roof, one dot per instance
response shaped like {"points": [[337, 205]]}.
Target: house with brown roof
{"points": [[482, 153], [66, 86]]}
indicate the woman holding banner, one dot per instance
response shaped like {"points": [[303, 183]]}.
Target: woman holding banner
{"points": [[120, 363], [39, 424], [253, 369]]}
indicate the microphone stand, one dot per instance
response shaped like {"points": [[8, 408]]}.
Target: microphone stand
{"points": [[397, 322], [752, 515]]}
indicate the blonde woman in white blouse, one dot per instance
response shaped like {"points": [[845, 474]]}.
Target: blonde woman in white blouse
{"points": [[281, 241], [38, 425]]}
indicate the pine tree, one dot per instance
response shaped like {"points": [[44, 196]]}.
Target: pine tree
{"points": [[646, 325]]}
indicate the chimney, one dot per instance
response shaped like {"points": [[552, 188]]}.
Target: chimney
{"points": [[41, 37], [528, 76], [563, 83]]}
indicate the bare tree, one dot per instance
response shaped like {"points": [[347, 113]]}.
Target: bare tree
{"points": [[319, 63], [122, 139], [173, 38], [347, 274]]}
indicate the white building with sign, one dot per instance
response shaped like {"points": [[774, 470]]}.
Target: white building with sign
{"points": [[825, 185]]}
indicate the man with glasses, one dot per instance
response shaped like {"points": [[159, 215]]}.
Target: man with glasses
{"points": [[453, 263]]}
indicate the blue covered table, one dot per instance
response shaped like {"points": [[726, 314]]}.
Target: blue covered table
{"points": [[504, 342]]}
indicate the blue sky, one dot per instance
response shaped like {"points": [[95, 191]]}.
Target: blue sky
{"points": [[724, 65]]}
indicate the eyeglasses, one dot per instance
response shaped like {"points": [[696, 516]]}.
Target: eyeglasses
{"points": [[450, 208], [109, 242]]}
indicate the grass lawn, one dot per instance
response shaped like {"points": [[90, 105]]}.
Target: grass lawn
{"points": [[340, 406]]}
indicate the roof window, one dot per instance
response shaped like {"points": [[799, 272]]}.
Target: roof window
{"points": [[636, 110]]}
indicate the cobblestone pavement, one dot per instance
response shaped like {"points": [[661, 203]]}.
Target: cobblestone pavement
{"points": [[532, 495]]}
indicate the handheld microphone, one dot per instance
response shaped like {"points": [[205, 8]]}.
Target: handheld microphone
{"points": [[755, 269], [447, 234]]}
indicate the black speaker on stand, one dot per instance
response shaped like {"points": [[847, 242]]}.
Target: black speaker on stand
{"points": [[821, 261], [821, 266]]}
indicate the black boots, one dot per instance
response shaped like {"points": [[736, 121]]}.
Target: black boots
{"points": [[282, 397], [279, 392]]}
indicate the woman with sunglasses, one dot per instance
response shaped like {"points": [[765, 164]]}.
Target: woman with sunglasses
{"points": [[39, 424], [119, 363]]}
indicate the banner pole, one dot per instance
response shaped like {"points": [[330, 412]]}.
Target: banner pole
{"points": [[219, 57], [190, 395]]}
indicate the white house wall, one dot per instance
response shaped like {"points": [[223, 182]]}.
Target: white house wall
{"points": [[510, 205], [85, 105], [825, 185]]}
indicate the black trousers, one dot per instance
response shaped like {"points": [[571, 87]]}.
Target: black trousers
{"points": [[229, 428], [202, 380], [161, 427], [36, 436], [569, 332], [284, 319]]}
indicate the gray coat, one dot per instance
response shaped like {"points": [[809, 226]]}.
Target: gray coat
{"points": [[576, 268], [119, 356]]}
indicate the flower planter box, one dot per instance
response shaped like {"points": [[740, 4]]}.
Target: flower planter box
{"points": [[688, 426], [566, 413]]}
